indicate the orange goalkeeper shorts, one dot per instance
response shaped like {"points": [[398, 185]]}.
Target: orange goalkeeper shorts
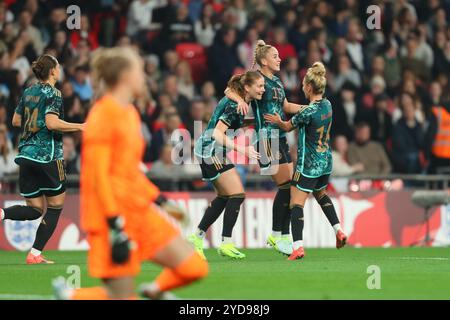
{"points": [[149, 234]]}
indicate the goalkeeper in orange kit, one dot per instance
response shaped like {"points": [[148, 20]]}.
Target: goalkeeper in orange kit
{"points": [[123, 227]]}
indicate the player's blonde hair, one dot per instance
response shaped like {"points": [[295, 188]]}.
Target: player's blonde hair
{"points": [[260, 52], [315, 76], [108, 64], [238, 82]]}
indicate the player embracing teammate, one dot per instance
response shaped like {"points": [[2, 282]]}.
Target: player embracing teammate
{"points": [[314, 161], [271, 142], [211, 150]]}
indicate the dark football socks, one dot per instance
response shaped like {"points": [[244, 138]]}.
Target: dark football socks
{"points": [[297, 223], [280, 210], [328, 209], [46, 228], [22, 213], [212, 213], [231, 213]]}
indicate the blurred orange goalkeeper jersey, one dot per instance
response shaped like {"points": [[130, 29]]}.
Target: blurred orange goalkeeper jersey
{"points": [[111, 181]]}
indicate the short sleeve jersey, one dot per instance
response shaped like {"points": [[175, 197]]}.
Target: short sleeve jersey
{"points": [[226, 111], [314, 124], [37, 142]]}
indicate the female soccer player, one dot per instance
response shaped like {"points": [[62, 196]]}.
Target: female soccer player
{"points": [[41, 169], [314, 162], [276, 158], [122, 227], [216, 167]]}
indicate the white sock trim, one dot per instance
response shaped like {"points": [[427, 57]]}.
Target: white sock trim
{"points": [[297, 244], [35, 252], [337, 227], [200, 233], [227, 240], [2, 214], [276, 233]]}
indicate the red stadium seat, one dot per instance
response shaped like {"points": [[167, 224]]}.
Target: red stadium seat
{"points": [[195, 55]]}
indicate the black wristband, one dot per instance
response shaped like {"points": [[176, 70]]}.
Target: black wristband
{"points": [[116, 223], [160, 200]]}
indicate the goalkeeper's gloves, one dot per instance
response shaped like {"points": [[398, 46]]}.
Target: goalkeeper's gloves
{"points": [[120, 243], [172, 209]]}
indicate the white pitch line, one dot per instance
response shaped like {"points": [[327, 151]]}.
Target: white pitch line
{"points": [[419, 258], [13, 296]]}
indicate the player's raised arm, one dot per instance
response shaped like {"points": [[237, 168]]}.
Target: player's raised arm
{"points": [[53, 122], [242, 106], [276, 119], [290, 107], [220, 136]]}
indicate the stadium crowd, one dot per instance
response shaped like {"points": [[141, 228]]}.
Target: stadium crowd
{"points": [[389, 86]]}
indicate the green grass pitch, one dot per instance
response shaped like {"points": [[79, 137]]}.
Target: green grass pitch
{"points": [[406, 273]]}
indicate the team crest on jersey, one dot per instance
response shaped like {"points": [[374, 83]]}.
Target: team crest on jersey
{"points": [[21, 234]]}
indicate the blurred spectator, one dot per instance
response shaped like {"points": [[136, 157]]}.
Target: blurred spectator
{"points": [[346, 109], [165, 168], [140, 15], [197, 119], [407, 141], [341, 167], [171, 60], [392, 72], [377, 87], [71, 159], [61, 44], [205, 27], [411, 58], [25, 24], [355, 49], [370, 153], [164, 107], [379, 120], [153, 73], [180, 101], [290, 78], [6, 16], [345, 73], [223, 58], [285, 49], [7, 153], [81, 54], [438, 139], [85, 33], [82, 84], [169, 134], [185, 83], [73, 111], [178, 28], [246, 50], [209, 96]]}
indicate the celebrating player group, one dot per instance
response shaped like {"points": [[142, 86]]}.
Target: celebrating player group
{"points": [[314, 161], [119, 205]]}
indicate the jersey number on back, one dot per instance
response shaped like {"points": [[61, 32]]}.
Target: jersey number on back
{"points": [[30, 125], [323, 143]]}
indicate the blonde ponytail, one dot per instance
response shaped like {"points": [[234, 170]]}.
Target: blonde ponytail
{"points": [[315, 76], [260, 52]]}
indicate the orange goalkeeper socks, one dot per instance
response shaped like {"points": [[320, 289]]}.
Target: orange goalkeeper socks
{"points": [[191, 269], [95, 293]]}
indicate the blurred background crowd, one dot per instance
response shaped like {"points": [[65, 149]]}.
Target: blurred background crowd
{"points": [[389, 87]]}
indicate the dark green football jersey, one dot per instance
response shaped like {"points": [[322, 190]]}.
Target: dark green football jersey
{"points": [[314, 154], [272, 102], [37, 142], [225, 111]]}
